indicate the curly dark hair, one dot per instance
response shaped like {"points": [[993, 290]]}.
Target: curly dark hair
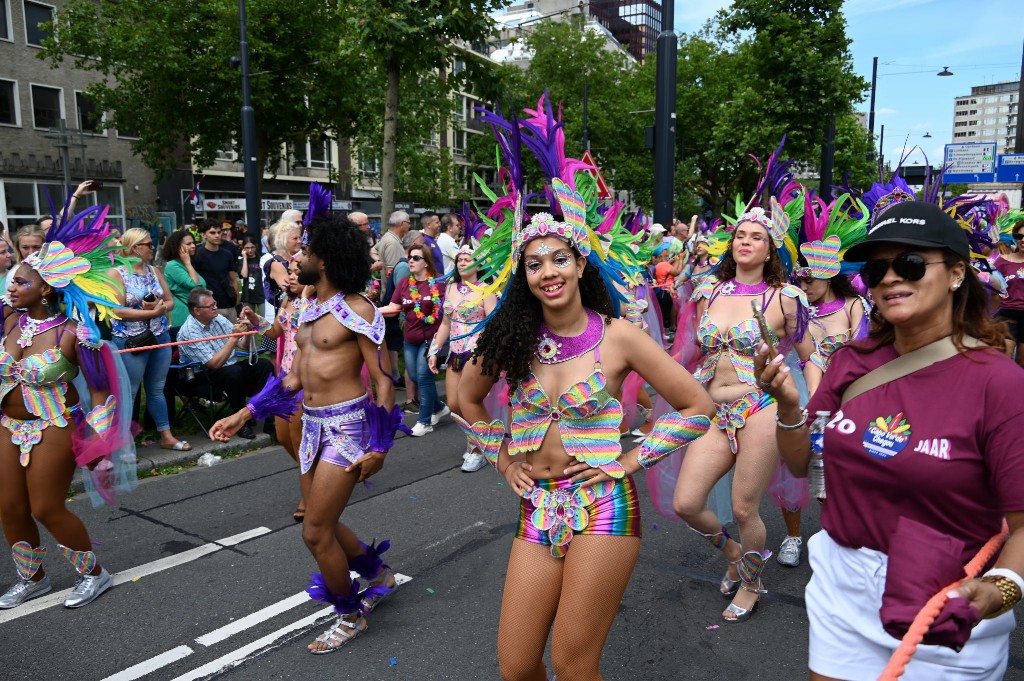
{"points": [[509, 339], [774, 272], [173, 244], [343, 250], [970, 316]]}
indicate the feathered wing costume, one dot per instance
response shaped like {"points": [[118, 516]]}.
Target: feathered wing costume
{"points": [[78, 251]]}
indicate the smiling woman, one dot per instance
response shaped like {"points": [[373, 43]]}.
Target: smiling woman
{"points": [[891, 452]]}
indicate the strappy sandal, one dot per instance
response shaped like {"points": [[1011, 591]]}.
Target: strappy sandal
{"points": [[751, 565], [727, 586], [341, 633], [387, 575]]}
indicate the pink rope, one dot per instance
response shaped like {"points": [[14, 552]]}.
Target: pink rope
{"points": [[186, 342], [919, 627]]}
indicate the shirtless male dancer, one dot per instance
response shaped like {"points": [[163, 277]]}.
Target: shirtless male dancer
{"points": [[345, 435]]}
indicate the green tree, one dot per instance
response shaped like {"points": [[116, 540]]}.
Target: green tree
{"points": [[168, 77], [408, 39]]}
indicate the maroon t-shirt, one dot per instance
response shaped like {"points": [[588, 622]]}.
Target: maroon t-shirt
{"points": [[941, 446], [417, 330], [1013, 272]]}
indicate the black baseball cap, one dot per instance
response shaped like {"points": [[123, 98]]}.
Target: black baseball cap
{"points": [[914, 223]]}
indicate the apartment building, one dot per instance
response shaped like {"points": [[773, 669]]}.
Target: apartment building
{"points": [[988, 114], [51, 135]]}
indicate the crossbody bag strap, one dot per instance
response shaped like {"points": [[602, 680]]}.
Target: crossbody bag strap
{"points": [[904, 365]]}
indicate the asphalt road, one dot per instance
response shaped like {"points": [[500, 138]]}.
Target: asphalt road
{"points": [[213, 570]]}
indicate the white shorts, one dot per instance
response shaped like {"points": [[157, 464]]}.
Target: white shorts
{"points": [[847, 639]]}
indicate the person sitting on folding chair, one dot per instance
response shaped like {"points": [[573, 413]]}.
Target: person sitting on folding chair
{"points": [[238, 380]]}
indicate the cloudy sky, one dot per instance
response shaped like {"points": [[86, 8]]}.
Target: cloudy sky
{"points": [[979, 41]]}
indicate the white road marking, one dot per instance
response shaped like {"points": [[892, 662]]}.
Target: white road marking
{"points": [[151, 665], [455, 534], [131, 574], [264, 614]]}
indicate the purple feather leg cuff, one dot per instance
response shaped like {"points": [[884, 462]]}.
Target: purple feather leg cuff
{"points": [[273, 400], [670, 432], [343, 604], [383, 425], [369, 564]]}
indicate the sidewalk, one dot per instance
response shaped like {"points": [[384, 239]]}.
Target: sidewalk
{"points": [[152, 456]]}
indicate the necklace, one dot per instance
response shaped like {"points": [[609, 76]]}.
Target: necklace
{"points": [[435, 299], [735, 288], [825, 309], [34, 327], [552, 348]]}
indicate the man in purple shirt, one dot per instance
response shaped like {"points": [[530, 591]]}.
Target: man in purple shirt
{"points": [[431, 225]]}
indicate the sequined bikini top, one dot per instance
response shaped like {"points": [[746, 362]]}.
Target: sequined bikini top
{"points": [[739, 342], [824, 347], [43, 379], [588, 419]]}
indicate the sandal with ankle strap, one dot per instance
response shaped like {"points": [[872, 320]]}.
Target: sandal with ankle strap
{"points": [[727, 586], [341, 633], [744, 614], [751, 566], [369, 602]]}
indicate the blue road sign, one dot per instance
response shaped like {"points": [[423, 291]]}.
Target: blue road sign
{"points": [[970, 162], [1010, 168]]}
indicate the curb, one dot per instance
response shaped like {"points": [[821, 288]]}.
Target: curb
{"points": [[151, 457]]}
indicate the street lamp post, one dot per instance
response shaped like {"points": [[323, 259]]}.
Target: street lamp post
{"points": [[252, 193], [665, 118], [871, 112]]}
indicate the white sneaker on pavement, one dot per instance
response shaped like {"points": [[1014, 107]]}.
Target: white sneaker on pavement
{"points": [[419, 430], [789, 552], [436, 417], [474, 462]]}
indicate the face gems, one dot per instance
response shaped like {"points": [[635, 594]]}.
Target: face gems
{"points": [[563, 261], [542, 250]]}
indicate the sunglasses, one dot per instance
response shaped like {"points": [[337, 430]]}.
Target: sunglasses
{"points": [[415, 258], [1019, 237], [907, 266]]}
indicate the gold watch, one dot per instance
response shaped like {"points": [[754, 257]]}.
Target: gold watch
{"points": [[1011, 594]]}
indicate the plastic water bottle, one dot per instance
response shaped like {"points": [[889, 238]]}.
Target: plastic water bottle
{"points": [[816, 466]]}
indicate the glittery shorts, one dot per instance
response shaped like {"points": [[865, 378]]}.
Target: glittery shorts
{"points": [[732, 416], [457, 360], [557, 510], [336, 433]]}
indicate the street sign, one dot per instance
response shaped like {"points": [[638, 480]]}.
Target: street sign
{"points": [[971, 162], [1010, 168], [602, 187]]}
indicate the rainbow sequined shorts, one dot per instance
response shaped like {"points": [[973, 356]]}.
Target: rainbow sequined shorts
{"points": [[557, 509], [731, 416]]}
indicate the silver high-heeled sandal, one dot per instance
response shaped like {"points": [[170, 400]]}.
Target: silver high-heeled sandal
{"points": [[751, 566]]}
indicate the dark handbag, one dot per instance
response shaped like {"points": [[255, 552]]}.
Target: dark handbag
{"points": [[140, 340]]}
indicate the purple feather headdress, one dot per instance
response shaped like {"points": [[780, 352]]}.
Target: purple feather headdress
{"points": [[319, 202]]}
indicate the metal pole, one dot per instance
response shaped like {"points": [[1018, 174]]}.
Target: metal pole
{"points": [[881, 149], [871, 113], [665, 118], [828, 157], [252, 192], [586, 96]]}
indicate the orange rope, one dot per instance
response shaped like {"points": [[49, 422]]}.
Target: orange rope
{"points": [[919, 627], [186, 342]]}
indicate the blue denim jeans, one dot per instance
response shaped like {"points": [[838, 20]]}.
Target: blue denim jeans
{"points": [[149, 368], [419, 371]]}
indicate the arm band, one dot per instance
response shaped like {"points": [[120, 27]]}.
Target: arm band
{"points": [[273, 400], [487, 437], [671, 431], [383, 425], [265, 325], [101, 416]]}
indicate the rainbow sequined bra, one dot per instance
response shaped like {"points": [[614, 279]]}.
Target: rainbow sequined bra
{"points": [[44, 382], [588, 419], [738, 342]]}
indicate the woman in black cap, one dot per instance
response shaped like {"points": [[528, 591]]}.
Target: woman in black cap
{"points": [[921, 453]]}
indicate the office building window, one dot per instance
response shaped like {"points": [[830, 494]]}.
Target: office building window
{"points": [[37, 16], [5, 20], [89, 119], [9, 110], [47, 106]]}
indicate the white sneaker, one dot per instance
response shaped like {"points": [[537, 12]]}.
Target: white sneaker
{"points": [[466, 454], [436, 418], [636, 432], [419, 430], [789, 552], [88, 588], [474, 462], [640, 440]]}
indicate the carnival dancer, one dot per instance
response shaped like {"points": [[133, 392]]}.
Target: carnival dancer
{"points": [[912, 487], [48, 425], [286, 326], [838, 314], [751, 271], [1011, 308], [462, 311], [345, 435], [563, 355]]}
